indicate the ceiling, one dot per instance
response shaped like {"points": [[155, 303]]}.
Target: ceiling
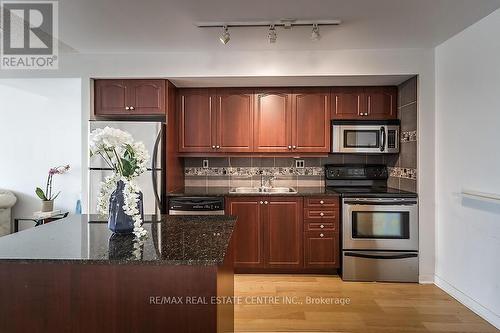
{"points": [[133, 26]]}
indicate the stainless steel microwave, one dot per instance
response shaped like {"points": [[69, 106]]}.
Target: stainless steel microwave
{"points": [[365, 136]]}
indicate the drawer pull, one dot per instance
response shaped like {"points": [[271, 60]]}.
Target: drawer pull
{"points": [[321, 235], [321, 214], [321, 202], [321, 226], [261, 202]]}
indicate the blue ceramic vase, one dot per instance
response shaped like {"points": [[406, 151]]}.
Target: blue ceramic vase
{"points": [[118, 221]]}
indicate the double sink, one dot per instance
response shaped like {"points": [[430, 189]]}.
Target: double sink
{"points": [[266, 190]]}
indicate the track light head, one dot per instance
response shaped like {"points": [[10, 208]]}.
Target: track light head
{"points": [[225, 36], [272, 36], [315, 36]]}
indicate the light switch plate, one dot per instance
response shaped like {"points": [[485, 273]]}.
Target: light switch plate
{"points": [[299, 164], [205, 164]]}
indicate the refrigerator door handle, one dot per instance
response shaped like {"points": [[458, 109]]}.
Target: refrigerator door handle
{"points": [[153, 169]]}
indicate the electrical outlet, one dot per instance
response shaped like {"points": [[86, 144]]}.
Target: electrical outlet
{"points": [[299, 164], [205, 164]]}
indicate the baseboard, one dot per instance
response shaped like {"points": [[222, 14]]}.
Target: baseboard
{"points": [[426, 279], [479, 309]]}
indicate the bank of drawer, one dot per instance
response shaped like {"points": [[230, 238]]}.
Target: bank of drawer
{"points": [[320, 214], [329, 202], [321, 226]]}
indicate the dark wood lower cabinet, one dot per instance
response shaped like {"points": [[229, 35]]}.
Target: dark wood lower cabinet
{"points": [[321, 249], [283, 232], [272, 235], [248, 235]]}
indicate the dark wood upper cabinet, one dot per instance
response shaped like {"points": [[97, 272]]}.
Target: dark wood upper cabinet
{"points": [[364, 103], [111, 97], [347, 102], [234, 120], [283, 237], [382, 102], [196, 120], [129, 97], [147, 96], [311, 120], [248, 233], [273, 121]]}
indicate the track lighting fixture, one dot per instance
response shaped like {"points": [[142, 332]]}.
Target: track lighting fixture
{"points": [[272, 34], [225, 36], [315, 36]]}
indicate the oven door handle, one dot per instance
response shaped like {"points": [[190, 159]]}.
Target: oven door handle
{"points": [[380, 203], [372, 256]]}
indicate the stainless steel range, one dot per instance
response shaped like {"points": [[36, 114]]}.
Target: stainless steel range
{"points": [[379, 225]]}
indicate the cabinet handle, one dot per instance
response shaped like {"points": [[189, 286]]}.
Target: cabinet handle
{"points": [[127, 108], [217, 147], [132, 108], [321, 214], [213, 147], [261, 202], [289, 147], [265, 202], [321, 226], [321, 235], [294, 147], [321, 202]]}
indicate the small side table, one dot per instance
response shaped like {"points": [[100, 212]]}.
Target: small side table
{"points": [[39, 221]]}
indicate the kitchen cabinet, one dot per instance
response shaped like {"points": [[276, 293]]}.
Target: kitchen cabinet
{"points": [[273, 121], [196, 120], [234, 120], [249, 231], [283, 232], [321, 232], [364, 103], [321, 249], [268, 232], [311, 120], [129, 97]]}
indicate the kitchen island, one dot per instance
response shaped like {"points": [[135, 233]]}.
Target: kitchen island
{"points": [[73, 275]]}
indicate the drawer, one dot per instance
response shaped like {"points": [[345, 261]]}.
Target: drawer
{"points": [[319, 226], [329, 202], [320, 214]]}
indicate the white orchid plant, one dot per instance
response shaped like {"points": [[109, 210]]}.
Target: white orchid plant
{"points": [[128, 159]]}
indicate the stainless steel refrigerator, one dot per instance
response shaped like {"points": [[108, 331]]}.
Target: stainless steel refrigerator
{"points": [[152, 134]]}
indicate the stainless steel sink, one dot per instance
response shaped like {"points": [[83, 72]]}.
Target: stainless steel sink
{"points": [[264, 190]]}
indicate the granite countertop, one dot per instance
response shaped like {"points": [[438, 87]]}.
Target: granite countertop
{"points": [[171, 240], [224, 191]]}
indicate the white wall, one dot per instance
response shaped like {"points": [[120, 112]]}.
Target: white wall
{"points": [[40, 124], [468, 156], [282, 63]]}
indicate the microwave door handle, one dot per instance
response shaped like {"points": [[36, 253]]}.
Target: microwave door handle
{"points": [[382, 138]]}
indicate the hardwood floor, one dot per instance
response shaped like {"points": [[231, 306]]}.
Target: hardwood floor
{"points": [[373, 307]]}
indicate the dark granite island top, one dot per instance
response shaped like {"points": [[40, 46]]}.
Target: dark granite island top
{"points": [[72, 276], [171, 240]]}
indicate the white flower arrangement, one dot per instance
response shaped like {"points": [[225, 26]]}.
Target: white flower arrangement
{"points": [[128, 159]]}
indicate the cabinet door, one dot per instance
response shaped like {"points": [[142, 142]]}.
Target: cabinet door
{"points": [[348, 103], [272, 125], [234, 120], [382, 102], [283, 237], [146, 97], [248, 233], [311, 120], [196, 121], [111, 97], [321, 249]]}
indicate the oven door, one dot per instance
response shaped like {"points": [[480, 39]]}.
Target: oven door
{"points": [[380, 224]]}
